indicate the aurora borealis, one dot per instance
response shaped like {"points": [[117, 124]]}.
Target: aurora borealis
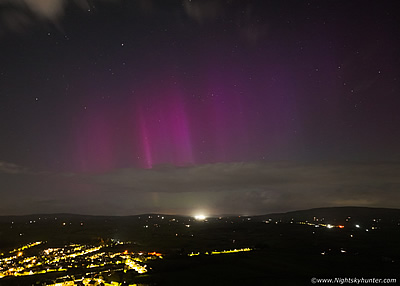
{"points": [[123, 107]]}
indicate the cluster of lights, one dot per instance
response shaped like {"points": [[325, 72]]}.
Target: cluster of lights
{"points": [[221, 252], [70, 256], [330, 226], [27, 246]]}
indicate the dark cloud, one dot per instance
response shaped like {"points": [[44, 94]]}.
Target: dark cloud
{"points": [[203, 11], [245, 188], [10, 168], [251, 28], [239, 176], [260, 187], [42, 9], [17, 15], [248, 22]]}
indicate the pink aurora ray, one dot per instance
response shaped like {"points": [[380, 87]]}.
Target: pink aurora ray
{"points": [[164, 130], [171, 120]]}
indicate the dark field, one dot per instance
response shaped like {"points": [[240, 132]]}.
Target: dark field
{"points": [[285, 250]]}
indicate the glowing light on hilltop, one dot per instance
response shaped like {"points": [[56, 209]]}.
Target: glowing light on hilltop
{"points": [[200, 217]]}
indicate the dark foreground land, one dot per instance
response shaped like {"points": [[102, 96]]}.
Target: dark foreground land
{"points": [[286, 249]]}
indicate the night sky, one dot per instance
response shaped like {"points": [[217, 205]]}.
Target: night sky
{"points": [[216, 107]]}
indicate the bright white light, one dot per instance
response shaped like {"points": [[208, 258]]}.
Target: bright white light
{"points": [[329, 226], [357, 226], [200, 217]]}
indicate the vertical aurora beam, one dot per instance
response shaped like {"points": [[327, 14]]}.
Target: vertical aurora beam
{"points": [[179, 130], [220, 116], [226, 112], [163, 128], [145, 142]]}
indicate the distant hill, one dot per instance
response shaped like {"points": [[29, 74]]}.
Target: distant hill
{"points": [[79, 217], [328, 214], [337, 215]]}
